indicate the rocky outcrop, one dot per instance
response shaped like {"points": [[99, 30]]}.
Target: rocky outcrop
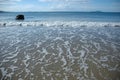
{"points": [[20, 17]]}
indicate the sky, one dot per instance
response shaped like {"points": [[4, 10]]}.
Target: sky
{"points": [[60, 5]]}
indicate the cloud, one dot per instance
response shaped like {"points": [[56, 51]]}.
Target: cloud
{"points": [[5, 4], [63, 0], [8, 0], [26, 7], [2, 2], [64, 5]]}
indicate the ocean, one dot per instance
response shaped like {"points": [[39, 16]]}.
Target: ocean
{"points": [[60, 46]]}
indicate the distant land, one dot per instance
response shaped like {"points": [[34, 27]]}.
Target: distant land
{"points": [[62, 11]]}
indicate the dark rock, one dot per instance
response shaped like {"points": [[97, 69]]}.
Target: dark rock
{"points": [[4, 24], [20, 17], [117, 25], [20, 24]]}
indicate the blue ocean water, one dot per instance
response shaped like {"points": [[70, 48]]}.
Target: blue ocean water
{"points": [[63, 16]]}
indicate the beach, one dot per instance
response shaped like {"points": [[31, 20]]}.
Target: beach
{"points": [[60, 48]]}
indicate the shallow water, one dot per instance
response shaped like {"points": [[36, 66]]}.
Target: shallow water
{"points": [[60, 53]]}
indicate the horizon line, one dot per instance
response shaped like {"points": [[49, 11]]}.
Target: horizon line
{"points": [[65, 11]]}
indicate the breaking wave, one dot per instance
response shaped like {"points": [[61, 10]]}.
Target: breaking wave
{"points": [[60, 23]]}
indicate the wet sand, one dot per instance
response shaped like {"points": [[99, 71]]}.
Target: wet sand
{"points": [[59, 53]]}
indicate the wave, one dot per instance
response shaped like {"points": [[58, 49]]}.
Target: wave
{"points": [[60, 24]]}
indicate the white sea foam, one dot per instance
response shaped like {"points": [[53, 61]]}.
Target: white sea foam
{"points": [[51, 52], [60, 23]]}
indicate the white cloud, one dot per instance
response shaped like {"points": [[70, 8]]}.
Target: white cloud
{"points": [[47, 5], [63, 0], [5, 4], [64, 5], [27, 7], [9, 1]]}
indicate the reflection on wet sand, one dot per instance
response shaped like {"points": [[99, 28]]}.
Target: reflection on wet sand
{"points": [[58, 53]]}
